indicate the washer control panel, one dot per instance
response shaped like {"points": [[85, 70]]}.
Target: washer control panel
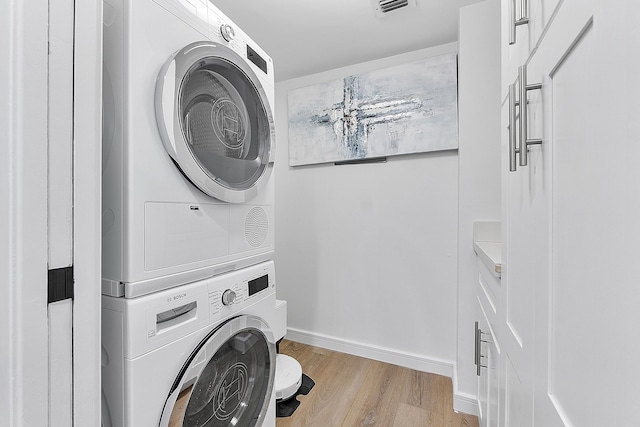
{"points": [[231, 291], [227, 31], [160, 318], [228, 297]]}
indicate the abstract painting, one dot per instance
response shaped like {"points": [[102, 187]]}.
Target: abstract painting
{"points": [[409, 108]]}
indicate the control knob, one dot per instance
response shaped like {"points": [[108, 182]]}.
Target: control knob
{"points": [[228, 297], [227, 32]]}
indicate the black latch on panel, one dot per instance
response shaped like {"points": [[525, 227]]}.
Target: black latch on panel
{"points": [[60, 284]]}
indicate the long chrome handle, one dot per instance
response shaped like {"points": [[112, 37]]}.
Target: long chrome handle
{"points": [[524, 19], [475, 346], [512, 127], [477, 349], [525, 142], [522, 76]]}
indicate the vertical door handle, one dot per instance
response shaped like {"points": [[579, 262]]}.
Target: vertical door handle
{"points": [[475, 345], [513, 150], [524, 139], [478, 349], [524, 18], [477, 355]]}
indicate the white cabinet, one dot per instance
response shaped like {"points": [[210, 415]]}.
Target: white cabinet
{"points": [[569, 294], [520, 40], [487, 375], [487, 347], [486, 243]]}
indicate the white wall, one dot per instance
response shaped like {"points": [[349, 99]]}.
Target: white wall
{"points": [[87, 212], [23, 214], [366, 255], [479, 164]]}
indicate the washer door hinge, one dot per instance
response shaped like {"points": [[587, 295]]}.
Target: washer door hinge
{"points": [[60, 284]]}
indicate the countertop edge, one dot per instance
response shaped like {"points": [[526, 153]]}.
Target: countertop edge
{"points": [[490, 253]]}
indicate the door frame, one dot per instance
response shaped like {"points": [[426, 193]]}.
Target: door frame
{"points": [[23, 228], [87, 221]]}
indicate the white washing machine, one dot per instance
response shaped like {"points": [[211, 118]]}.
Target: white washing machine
{"points": [[188, 146], [202, 354]]}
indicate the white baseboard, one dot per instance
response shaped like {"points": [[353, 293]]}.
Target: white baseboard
{"points": [[465, 403], [407, 360]]}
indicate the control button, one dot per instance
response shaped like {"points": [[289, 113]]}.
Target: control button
{"points": [[228, 297], [227, 32]]}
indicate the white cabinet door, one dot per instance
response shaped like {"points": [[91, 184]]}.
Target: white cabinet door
{"points": [[493, 383], [519, 42], [523, 198], [541, 13], [489, 372], [587, 300], [483, 383], [514, 53]]}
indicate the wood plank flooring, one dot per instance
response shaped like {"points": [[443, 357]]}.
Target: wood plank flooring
{"points": [[353, 391]]}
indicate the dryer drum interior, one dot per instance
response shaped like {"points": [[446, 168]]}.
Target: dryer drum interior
{"points": [[223, 122], [228, 380], [215, 120]]}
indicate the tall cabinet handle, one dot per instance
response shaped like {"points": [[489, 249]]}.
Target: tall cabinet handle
{"points": [[513, 150], [524, 19], [525, 142], [477, 355], [479, 334]]}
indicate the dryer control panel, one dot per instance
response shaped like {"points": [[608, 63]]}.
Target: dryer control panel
{"points": [[214, 25]]}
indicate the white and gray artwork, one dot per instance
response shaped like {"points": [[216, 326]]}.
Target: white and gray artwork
{"points": [[405, 109]]}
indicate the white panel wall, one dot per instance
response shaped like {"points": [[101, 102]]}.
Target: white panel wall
{"points": [[366, 255], [87, 209], [23, 213], [479, 163]]}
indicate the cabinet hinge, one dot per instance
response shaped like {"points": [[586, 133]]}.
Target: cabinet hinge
{"points": [[60, 284]]}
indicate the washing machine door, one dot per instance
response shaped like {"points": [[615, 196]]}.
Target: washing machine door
{"points": [[227, 380], [215, 121]]}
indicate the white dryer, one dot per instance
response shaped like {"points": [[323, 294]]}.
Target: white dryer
{"points": [[202, 354], [188, 146]]}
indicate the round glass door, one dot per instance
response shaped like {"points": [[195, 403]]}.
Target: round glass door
{"points": [[227, 381], [216, 121]]}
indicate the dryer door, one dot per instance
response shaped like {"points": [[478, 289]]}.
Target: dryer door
{"points": [[227, 380], [215, 121]]}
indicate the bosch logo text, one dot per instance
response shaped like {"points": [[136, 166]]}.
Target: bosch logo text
{"points": [[176, 297]]}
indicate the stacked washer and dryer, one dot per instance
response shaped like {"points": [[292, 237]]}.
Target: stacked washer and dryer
{"points": [[188, 276]]}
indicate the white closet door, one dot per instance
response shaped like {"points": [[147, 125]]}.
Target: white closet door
{"points": [[23, 213], [587, 309], [60, 206]]}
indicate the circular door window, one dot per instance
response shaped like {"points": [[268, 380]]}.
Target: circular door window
{"points": [[227, 381], [216, 121]]}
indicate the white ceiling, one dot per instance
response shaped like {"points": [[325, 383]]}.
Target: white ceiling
{"points": [[309, 36]]}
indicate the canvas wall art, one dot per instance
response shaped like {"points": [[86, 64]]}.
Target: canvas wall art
{"points": [[409, 108]]}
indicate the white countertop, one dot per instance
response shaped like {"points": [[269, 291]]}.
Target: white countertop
{"points": [[487, 243], [490, 253]]}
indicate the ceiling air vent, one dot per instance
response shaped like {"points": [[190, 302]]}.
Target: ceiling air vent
{"points": [[383, 7]]}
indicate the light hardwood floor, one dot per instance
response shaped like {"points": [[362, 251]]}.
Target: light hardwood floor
{"points": [[353, 391]]}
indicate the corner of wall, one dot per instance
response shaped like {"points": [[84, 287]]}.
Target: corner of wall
{"points": [[479, 167], [466, 403]]}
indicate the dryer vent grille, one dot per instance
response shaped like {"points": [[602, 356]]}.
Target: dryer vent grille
{"points": [[256, 227]]}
